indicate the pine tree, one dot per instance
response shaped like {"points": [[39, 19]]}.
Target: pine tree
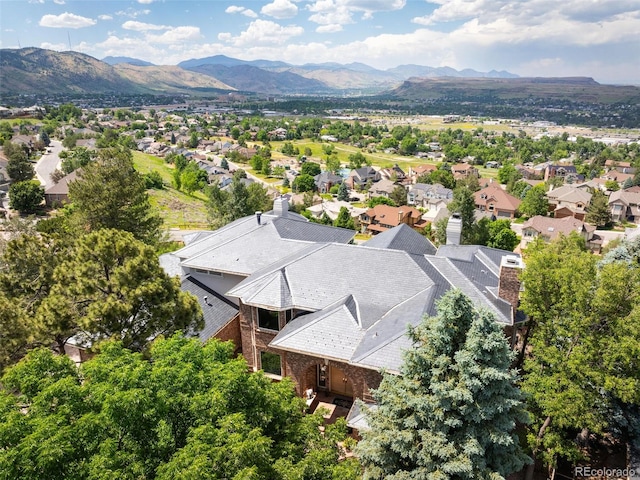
{"points": [[452, 411], [343, 192], [598, 213]]}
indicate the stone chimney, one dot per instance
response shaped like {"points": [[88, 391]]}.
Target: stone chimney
{"points": [[454, 230], [509, 283], [281, 207]]}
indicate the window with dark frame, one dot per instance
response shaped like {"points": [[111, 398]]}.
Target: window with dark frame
{"points": [[268, 319], [271, 363]]}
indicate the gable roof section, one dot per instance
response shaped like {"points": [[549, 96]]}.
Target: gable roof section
{"points": [[625, 197], [217, 312], [569, 193], [552, 227], [244, 246], [332, 332], [325, 274], [504, 200], [402, 238]]}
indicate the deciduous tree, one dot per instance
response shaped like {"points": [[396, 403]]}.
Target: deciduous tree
{"points": [[189, 411], [26, 196]]}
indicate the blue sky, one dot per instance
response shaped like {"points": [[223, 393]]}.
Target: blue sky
{"points": [[595, 38]]}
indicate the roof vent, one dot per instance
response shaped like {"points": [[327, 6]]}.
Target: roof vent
{"points": [[258, 217]]}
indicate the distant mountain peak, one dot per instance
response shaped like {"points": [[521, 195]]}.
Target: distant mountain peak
{"points": [[132, 61]]}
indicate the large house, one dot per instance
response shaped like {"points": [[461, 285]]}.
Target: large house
{"points": [[569, 201], [384, 217], [495, 201], [304, 303], [549, 228], [624, 205], [358, 178]]}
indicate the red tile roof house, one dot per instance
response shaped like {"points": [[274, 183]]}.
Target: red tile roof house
{"points": [[415, 172], [328, 314], [384, 217], [497, 201], [549, 228]]}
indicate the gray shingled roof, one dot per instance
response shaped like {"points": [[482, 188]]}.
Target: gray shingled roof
{"points": [[404, 238], [217, 311], [386, 289], [244, 246]]}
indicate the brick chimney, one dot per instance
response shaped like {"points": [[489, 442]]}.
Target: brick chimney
{"points": [[509, 282]]}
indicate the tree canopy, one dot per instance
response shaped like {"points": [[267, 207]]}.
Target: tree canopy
{"points": [[451, 413], [189, 411], [110, 193], [582, 374]]}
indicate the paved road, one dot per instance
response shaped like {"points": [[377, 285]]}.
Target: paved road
{"points": [[48, 163]]}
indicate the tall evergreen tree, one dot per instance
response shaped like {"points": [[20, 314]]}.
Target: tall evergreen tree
{"points": [[343, 192], [464, 204], [19, 168], [598, 213], [109, 193], [452, 411]]}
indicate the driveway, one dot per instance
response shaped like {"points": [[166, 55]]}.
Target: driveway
{"points": [[48, 163]]}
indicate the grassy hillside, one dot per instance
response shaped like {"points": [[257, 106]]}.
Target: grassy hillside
{"points": [[178, 209]]}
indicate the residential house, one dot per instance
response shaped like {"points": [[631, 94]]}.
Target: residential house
{"points": [[617, 176], [569, 201], [384, 217], [415, 172], [314, 308], [325, 180], [58, 194], [464, 170], [496, 201], [568, 173], [332, 209], [549, 228], [622, 167], [358, 178], [625, 206], [383, 188], [425, 194], [395, 173]]}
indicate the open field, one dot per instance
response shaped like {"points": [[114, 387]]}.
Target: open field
{"points": [[178, 209]]}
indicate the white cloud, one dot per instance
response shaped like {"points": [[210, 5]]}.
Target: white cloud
{"points": [[263, 32], [131, 13], [280, 9], [59, 47], [247, 12], [59, 2], [105, 17], [332, 28], [177, 35], [145, 2], [329, 12], [66, 20], [142, 27]]}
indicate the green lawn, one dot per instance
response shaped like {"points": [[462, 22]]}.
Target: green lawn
{"points": [[178, 209]]}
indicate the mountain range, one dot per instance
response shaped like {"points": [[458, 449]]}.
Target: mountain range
{"points": [[34, 70]]}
